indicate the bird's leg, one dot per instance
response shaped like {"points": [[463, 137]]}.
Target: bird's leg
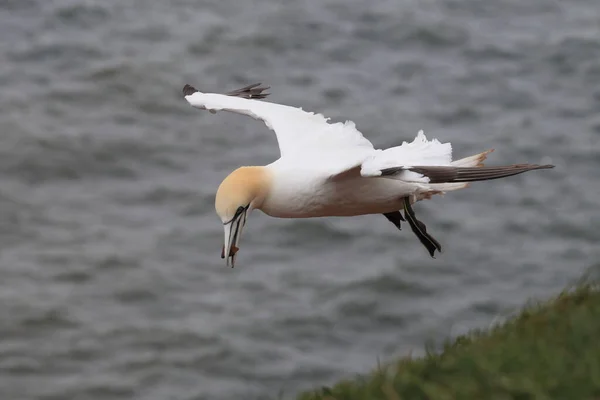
{"points": [[395, 217], [420, 229]]}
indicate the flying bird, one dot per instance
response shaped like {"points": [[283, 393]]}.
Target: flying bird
{"points": [[330, 169]]}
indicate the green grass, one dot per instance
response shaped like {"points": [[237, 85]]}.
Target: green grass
{"points": [[549, 350]]}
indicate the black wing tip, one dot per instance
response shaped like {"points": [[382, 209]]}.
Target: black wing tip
{"points": [[527, 166], [189, 89], [429, 171], [451, 174], [252, 91]]}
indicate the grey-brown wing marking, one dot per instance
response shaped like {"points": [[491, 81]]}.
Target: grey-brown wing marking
{"points": [[448, 174]]}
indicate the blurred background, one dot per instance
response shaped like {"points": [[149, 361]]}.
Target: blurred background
{"points": [[111, 282]]}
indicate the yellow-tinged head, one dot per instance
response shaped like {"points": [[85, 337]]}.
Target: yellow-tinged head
{"points": [[241, 192]]}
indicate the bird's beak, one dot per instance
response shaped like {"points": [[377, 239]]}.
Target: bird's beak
{"points": [[233, 231]]}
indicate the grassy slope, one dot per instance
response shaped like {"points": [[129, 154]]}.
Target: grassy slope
{"points": [[548, 351]]}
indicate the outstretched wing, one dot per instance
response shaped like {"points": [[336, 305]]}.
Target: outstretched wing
{"points": [[297, 131]]}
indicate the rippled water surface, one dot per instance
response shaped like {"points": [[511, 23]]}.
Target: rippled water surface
{"points": [[111, 283]]}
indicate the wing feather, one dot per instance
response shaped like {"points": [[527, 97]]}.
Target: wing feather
{"points": [[297, 131], [418, 152]]}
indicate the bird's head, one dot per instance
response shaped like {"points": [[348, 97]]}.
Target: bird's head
{"points": [[241, 192]]}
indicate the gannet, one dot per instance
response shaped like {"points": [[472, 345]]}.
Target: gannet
{"points": [[331, 170]]}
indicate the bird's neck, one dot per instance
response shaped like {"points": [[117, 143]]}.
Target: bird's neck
{"points": [[255, 180]]}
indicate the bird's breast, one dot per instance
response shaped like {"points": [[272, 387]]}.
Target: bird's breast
{"points": [[306, 198]]}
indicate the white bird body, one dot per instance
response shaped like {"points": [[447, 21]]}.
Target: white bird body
{"points": [[333, 170], [305, 193]]}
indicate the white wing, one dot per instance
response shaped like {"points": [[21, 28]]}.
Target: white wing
{"points": [[418, 152], [308, 139], [298, 132]]}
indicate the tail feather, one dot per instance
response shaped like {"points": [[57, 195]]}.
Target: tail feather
{"points": [[451, 174]]}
